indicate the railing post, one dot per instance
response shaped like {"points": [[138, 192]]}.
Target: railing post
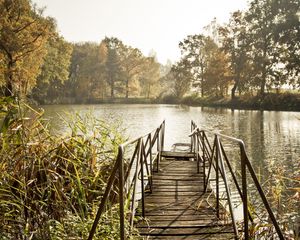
{"points": [[151, 167], [264, 199], [142, 178], [204, 159], [135, 185], [121, 195], [196, 142], [108, 188], [244, 190], [158, 151], [163, 136], [223, 170], [192, 136], [217, 179]]}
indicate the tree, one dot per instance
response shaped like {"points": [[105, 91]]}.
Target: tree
{"points": [[55, 69], [286, 34], [112, 62], [234, 39], [197, 50], [149, 77], [23, 35], [132, 63], [182, 76], [166, 81], [261, 19], [216, 74], [85, 76]]}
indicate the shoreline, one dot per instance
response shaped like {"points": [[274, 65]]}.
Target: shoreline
{"points": [[270, 102]]}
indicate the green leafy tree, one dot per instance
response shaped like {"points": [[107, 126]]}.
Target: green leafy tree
{"points": [[216, 75], [263, 50], [234, 44], [132, 64], [112, 66], [197, 50], [182, 77], [55, 70], [286, 34], [23, 35], [85, 76]]}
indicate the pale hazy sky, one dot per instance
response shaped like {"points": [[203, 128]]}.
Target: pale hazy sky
{"points": [[145, 24]]}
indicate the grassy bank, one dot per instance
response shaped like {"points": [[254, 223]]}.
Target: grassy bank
{"points": [[270, 101], [50, 186], [131, 100]]}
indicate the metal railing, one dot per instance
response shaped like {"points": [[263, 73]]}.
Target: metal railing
{"points": [[213, 158], [130, 172]]}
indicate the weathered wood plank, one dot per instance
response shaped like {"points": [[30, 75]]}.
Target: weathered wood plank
{"points": [[173, 194], [161, 187], [178, 224], [183, 217], [177, 162], [178, 178], [170, 154], [178, 208], [218, 236], [205, 229], [178, 182], [182, 173]]}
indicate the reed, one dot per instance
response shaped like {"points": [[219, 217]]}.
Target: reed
{"points": [[50, 186]]}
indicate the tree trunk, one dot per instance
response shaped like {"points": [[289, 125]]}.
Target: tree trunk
{"points": [[148, 92], [127, 89], [202, 89], [264, 73], [235, 86], [263, 82], [112, 88]]}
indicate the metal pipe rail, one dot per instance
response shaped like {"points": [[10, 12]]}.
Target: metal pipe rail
{"points": [[215, 156], [129, 174]]}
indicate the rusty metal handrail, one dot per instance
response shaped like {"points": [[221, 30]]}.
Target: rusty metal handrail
{"points": [[215, 156], [142, 151]]}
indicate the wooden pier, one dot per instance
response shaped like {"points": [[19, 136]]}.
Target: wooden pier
{"points": [[178, 207], [189, 192]]}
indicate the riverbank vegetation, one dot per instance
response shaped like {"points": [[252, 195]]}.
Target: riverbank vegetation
{"points": [[254, 54], [50, 186], [270, 101]]}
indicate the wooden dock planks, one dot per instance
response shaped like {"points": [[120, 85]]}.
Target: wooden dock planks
{"points": [[177, 208]]}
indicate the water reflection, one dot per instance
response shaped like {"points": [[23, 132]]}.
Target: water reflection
{"points": [[271, 137]]}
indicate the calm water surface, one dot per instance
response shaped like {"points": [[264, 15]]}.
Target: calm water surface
{"points": [[271, 137]]}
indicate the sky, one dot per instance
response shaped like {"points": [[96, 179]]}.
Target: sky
{"points": [[157, 25]]}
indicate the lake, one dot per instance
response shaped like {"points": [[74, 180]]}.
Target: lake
{"points": [[272, 138], [268, 135]]}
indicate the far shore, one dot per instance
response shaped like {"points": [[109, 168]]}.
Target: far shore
{"points": [[269, 102]]}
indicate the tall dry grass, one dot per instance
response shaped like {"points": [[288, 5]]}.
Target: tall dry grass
{"points": [[50, 186]]}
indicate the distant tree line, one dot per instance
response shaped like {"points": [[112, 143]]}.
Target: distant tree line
{"points": [[36, 61], [258, 50], [107, 70]]}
